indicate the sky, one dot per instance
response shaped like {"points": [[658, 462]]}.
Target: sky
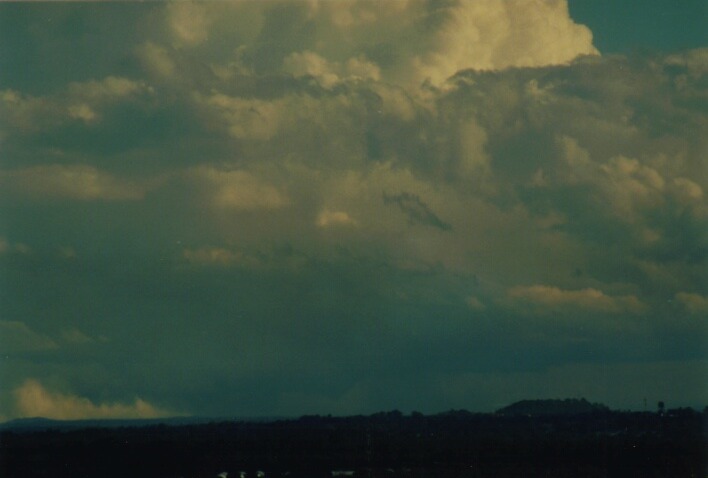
{"points": [[315, 207]]}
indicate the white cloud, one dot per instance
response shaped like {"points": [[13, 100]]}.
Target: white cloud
{"points": [[360, 68], [80, 182], [624, 183], [83, 112], [415, 40], [327, 218], [307, 63], [236, 189], [550, 298], [329, 74], [32, 399], [490, 34]]}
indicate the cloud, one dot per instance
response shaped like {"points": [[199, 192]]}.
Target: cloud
{"points": [[551, 298], [417, 211], [85, 101], [74, 336], [266, 184], [631, 185], [13, 248], [428, 41], [406, 42], [78, 182], [26, 113], [210, 255], [491, 35], [16, 337], [236, 189], [32, 399], [475, 304], [110, 88], [223, 257], [327, 218], [156, 59], [247, 118], [309, 64], [188, 23], [694, 303]]}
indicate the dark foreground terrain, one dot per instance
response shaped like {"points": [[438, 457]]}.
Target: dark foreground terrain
{"points": [[599, 443]]}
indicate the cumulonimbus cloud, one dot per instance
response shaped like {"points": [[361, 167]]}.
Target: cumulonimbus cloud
{"points": [[242, 153], [408, 42]]}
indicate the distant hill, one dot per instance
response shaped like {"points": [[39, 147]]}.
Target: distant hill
{"points": [[568, 406], [39, 423]]}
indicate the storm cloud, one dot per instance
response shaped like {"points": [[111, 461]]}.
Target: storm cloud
{"points": [[277, 208]]}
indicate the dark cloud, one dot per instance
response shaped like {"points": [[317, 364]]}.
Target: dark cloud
{"points": [[417, 211]]}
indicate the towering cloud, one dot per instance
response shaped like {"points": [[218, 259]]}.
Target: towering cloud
{"points": [[266, 207]]}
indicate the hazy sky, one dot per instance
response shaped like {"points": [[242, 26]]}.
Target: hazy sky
{"points": [[344, 207]]}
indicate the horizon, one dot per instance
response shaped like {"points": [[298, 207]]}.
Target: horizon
{"points": [[205, 419], [290, 208], [202, 420]]}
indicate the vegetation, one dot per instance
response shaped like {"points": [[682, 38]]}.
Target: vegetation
{"points": [[596, 442]]}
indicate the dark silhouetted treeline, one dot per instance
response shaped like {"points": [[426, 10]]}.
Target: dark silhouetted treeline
{"points": [[600, 443]]}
